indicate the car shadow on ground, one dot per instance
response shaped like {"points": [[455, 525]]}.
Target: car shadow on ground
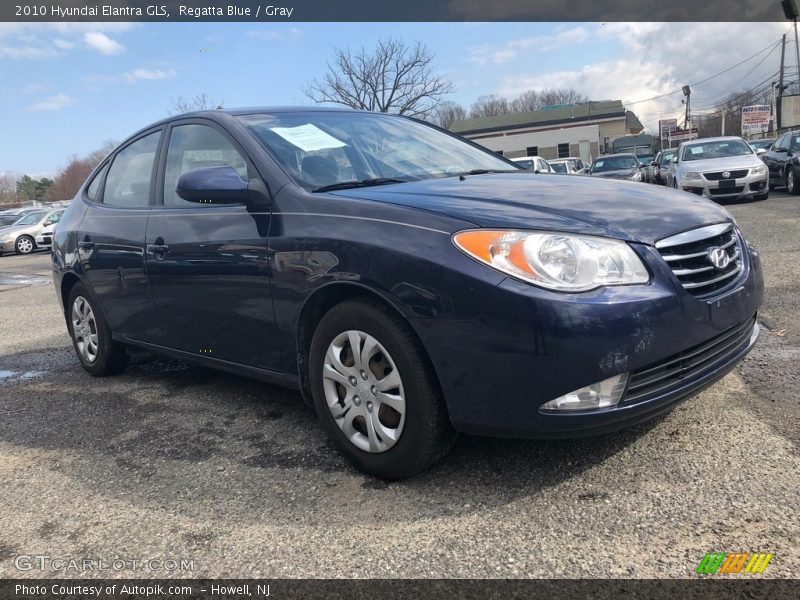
{"points": [[164, 425]]}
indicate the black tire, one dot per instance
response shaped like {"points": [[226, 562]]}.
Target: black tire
{"points": [[791, 182], [427, 434], [111, 357], [25, 244], [771, 187]]}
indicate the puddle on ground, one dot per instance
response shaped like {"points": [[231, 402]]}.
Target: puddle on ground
{"points": [[9, 376], [12, 279]]}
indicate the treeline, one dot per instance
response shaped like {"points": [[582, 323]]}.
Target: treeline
{"points": [[16, 188], [491, 105]]}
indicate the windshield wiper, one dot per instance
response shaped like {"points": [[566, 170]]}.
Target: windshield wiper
{"points": [[343, 185], [485, 171]]}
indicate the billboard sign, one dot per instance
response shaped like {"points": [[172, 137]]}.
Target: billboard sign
{"points": [[755, 119], [665, 126]]}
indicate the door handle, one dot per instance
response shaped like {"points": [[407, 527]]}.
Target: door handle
{"points": [[86, 245], [157, 250]]}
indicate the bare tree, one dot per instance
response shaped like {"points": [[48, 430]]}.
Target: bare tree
{"points": [[561, 96], [8, 188], [201, 101], [526, 102], [69, 178], [490, 105], [393, 77], [448, 113]]}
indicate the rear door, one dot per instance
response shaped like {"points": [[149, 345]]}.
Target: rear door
{"points": [[776, 158], [111, 237], [207, 265]]}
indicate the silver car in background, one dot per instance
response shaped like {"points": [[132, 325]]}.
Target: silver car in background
{"points": [[21, 236], [720, 168]]}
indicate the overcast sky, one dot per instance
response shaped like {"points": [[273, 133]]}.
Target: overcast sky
{"points": [[65, 88]]}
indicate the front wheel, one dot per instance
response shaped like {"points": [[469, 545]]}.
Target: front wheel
{"points": [[24, 245], [99, 354], [375, 391], [791, 182]]}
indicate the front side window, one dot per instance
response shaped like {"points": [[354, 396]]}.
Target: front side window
{"points": [[128, 180], [323, 148], [194, 147], [54, 218]]}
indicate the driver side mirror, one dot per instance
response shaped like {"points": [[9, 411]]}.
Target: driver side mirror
{"points": [[761, 151], [219, 184], [674, 160]]}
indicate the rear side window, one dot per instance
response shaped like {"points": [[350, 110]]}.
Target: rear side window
{"points": [[194, 147], [94, 187], [128, 180]]}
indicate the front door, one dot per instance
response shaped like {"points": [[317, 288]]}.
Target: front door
{"points": [[206, 263]]}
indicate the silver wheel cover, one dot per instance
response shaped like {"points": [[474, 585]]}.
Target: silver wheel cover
{"points": [[364, 391], [84, 329]]}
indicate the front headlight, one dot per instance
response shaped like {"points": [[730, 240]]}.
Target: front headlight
{"points": [[760, 170], [557, 261], [636, 176], [690, 175]]}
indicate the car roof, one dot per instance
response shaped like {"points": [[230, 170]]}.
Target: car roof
{"points": [[726, 138], [626, 154], [565, 159]]}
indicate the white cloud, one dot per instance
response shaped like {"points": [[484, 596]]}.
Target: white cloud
{"points": [[501, 53], [27, 52], [655, 59], [63, 44], [102, 43], [142, 74], [56, 102]]}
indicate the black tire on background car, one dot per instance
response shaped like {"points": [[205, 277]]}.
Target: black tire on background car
{"points": [[791, 182], [99, 354], [381, 404], [25, 244], [771, 187]]}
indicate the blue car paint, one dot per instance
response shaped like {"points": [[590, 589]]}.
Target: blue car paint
{"points": [[231, 290]]}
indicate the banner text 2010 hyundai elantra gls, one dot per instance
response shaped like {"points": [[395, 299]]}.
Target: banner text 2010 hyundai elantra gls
{"points": [[409, 283]]}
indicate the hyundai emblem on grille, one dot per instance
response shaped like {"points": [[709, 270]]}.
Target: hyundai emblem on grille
{"points": [[726, 174], [718, 257]]}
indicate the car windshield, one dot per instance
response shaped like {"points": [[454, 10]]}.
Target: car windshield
{"points": [[645, 159], [559, 167], [614, 163], [326, 148], [31, 218], [762, 144], [721, 149], [666, 157]]}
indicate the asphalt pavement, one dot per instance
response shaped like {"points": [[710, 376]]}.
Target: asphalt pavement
{"points": [[234, 477]]}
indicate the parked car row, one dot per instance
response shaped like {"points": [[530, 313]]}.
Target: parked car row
{"points": [[24, 230]]}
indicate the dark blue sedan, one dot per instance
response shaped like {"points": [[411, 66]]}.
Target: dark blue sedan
{"points": [[409, 283]]}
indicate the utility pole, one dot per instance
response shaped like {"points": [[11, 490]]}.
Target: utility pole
{"points": [[778, 103], [723, 122], [687, 91]]}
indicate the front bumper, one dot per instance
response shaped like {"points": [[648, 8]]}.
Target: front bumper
{"points": [[7, 246], [730, 189], [500, 366]]}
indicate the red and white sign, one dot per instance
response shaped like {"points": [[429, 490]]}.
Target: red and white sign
{"points": [[682, 135], [666, 126], [755, 119]]}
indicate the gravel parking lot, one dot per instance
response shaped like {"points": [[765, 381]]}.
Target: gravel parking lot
{"points": [[170, 461]]}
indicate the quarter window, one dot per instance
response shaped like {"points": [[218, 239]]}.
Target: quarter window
{"points": [[128, 180], [94, 187], [194, 147]]}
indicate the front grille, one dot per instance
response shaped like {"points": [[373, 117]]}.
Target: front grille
{"points": [[689, 364], [728, 190], [689, 255], [738, 174]]}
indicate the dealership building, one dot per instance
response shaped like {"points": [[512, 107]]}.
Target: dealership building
{"points": [[585, 130]]}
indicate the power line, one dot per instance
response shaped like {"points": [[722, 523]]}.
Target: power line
{"points": [[771, 47]]}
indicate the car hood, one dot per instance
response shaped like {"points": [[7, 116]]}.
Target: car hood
{"points": [[625, 210], [721, 164]]}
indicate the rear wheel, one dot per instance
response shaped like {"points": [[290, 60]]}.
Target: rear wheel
{"points": [[24, 245], [99, 354], [375, 391]]}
